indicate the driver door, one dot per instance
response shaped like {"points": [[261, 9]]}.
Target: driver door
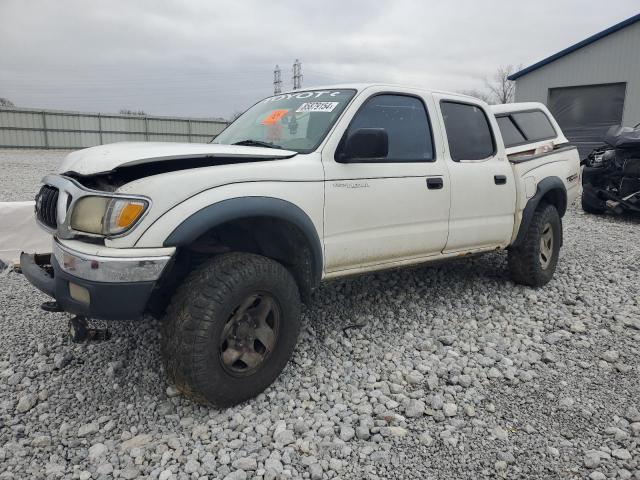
{"points": [[381, 211]]}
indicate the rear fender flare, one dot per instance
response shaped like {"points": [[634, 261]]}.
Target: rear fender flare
{"points": [[545, 186]]}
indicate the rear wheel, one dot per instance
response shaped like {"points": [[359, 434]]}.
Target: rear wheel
{"points": [[231, 328], [534, 261]]}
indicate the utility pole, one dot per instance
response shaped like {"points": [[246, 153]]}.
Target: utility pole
{"points": [[297, 75], [277, 80]]}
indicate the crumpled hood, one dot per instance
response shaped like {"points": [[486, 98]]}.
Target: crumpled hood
{"points": [[105, 158]]}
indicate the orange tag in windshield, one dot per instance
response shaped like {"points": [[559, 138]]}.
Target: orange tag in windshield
{"points": [[274, 116]]}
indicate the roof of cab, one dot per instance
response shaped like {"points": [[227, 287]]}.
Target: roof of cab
{"points": [[363, 86]]}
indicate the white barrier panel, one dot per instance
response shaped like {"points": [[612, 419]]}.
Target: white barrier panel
{"points": [[20, 233]]}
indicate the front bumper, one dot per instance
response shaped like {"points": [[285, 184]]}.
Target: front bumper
{"points": [[112, 287]]}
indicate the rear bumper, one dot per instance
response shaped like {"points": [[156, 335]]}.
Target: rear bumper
{"points": [[102, 287]]}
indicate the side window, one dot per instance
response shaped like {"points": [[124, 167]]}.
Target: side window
{"points": [[510, 133], [468, 131], [406, 122], [535, 125]]}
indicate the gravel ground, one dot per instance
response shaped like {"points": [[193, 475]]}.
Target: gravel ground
{"points": [[22, 171], [456, 373]]}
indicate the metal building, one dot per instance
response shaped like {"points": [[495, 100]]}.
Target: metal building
{"points": [[589, 86]]}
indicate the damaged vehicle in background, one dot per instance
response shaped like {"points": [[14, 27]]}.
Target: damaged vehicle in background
{"points": [[611, 175]]}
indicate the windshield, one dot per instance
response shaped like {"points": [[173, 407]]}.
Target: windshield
{"points": [[295, 121]]}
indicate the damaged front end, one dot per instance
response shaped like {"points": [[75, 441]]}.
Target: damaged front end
{"points": [[611, 175]]}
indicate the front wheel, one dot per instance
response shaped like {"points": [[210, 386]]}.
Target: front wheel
{"points": [[534, 261], [231, 328]]}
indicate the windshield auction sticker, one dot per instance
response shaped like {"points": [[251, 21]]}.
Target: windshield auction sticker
{"points": [[273, 116], [317, 107]]}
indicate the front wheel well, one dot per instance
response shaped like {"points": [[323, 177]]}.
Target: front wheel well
{"points": [[270, 237]]}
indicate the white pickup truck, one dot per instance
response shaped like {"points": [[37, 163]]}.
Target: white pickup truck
{"points": [[224, 240]]}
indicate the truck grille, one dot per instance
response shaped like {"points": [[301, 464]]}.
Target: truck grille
{"points": [[47, 206]]}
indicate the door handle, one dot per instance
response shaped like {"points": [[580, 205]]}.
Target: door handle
{"points": [[435, 183], [500, 179]]}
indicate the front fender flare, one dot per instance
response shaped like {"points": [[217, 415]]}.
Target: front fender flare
{"points": [[544, 186], [245, 207]]}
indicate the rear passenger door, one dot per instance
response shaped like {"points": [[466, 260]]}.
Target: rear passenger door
{"points": [[483, 192]]}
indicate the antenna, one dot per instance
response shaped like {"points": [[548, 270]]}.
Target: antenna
{"points": [[277, 80], [297, 75]]}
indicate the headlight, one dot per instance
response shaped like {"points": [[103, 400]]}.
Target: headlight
{"points": [[88, 214], [106, 216]]}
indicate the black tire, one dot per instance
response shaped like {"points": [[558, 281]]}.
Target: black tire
{"points": [[527, 261], [592, 204], [199, 313]]}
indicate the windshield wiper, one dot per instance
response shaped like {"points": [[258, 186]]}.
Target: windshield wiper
{"points": [[256, 143]]}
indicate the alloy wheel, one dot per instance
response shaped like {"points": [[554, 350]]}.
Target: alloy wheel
{"points": [[546, 246], [250, 334]]}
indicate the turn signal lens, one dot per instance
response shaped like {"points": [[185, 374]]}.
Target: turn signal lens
{"points": [[129, 214], [122, 214]]}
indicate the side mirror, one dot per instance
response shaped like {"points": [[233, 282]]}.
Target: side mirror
{"points": [[364, 144]]}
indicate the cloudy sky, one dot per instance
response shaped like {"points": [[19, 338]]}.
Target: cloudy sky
{"points": [[214, 57]]}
